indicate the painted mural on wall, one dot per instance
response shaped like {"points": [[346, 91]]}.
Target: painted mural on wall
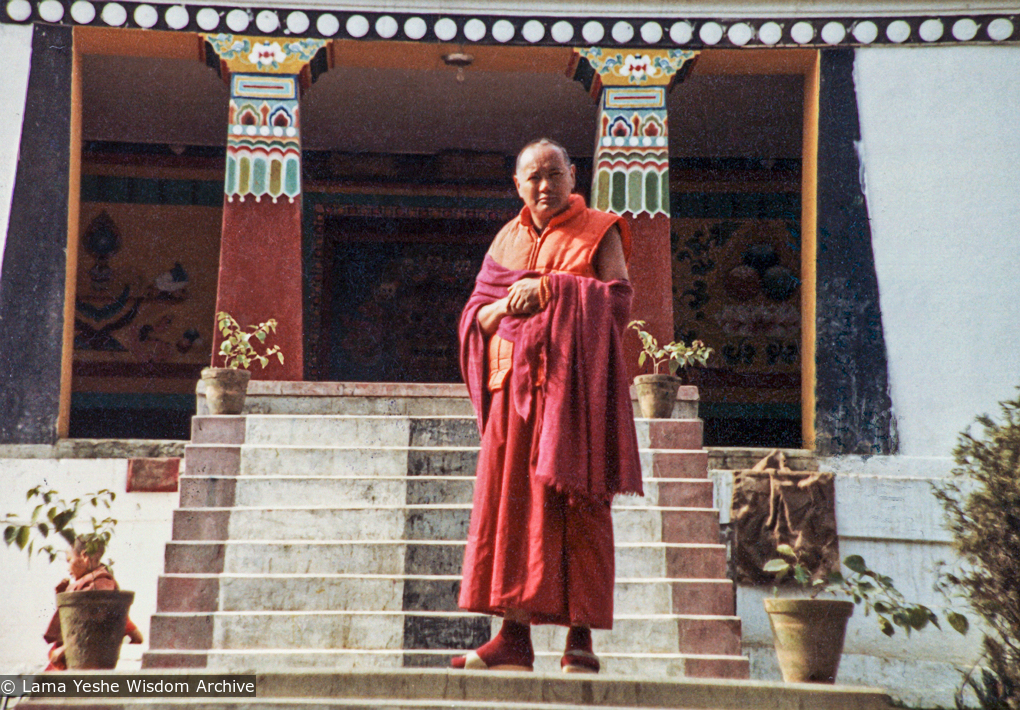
{"points": [[736, 286], [145, 297], [397, 309]]}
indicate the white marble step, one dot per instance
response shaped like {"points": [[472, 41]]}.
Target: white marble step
{"points": [[385, 630], [275, 660], [268, 557], [631, 523], [275, 490], [338, 430], [373, 592]]}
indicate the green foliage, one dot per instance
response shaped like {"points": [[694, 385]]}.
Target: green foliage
{"points": [[53, 516], [238, 348], [864, 586], [982, 504], [677, 354]]}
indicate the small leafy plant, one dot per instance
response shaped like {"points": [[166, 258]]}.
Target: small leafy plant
{"points": [[677, 354], [53, 516], [864, 586], [238, 349]]}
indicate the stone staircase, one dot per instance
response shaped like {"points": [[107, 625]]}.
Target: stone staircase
{"points": [[333, 542]]}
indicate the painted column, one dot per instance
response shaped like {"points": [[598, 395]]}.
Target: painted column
{"points": [[630, 172], [260, 247]]}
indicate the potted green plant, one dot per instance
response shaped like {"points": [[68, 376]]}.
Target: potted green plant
{"points": [[809, 633], [226, 387], [92, 620], [657, 391]]}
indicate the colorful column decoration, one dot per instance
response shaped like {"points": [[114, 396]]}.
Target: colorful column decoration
{"points": [[631, 166], [630, 174], [260, 275]]}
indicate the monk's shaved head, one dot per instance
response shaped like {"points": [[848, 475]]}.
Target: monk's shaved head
{"points": [[542, 141]]}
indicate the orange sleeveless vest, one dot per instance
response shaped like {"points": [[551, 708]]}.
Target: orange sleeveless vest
{"points": [[567, 245]]}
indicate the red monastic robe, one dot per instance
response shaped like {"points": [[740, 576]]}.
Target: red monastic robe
{"points": [[558, 441]]}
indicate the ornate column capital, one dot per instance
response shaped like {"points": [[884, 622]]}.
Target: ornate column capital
{"points": [[263, 55], [596, 67]]}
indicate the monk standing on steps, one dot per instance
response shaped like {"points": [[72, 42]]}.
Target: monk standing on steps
{"points": [[542, 358]]}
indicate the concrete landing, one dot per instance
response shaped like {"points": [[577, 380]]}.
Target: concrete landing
{"points": [[423, 689]]}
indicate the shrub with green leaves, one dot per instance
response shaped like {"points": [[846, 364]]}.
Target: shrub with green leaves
{"points": [[864, 586], [677, 354], [238, 346], [982, 504], [53, 516]]}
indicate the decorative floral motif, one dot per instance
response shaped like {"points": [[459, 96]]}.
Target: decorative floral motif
{"points": [[267, 55], [654, 67]]}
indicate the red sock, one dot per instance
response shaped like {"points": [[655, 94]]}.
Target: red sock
{"points": [[510, 647]]}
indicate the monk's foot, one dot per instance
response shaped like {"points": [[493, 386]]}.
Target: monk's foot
{"points": [[510, 650], [578, 657]]}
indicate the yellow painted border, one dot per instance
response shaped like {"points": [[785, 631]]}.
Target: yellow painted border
{"points": [[809, 250], [71, 268]]}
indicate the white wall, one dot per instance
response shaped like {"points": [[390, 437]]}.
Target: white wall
{"points": [[16, 48], [941, 151], [137, 549]]}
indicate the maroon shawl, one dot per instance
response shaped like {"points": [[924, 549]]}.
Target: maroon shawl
{"points": [[587, 445]]}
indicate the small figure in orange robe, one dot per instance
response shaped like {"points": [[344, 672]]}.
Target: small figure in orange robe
{"points": [[541, 354], [86, 574]]}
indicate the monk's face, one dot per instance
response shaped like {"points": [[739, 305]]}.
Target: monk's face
{"points": [[544, 181], [79, 564]]}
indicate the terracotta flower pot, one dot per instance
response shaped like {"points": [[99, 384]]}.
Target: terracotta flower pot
{"points": [[92, 623], [809, 635], [656, 395], [225, 389]]}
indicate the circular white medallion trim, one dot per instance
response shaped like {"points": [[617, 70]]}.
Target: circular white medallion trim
{"points": [[646, 141], [238, 20], [562, 32], [866, 32], [357, 25], [21, 10], [931, 30], [607, 141], [327, 25], [237, 129], [146, 16], [965, 29], [445, 29], [503, 31], [297, 22], [386, 26], [83, 12], [415, 28], [623, 32], [267, 21], [251, 130], [681, 32], [114, 14], [633, 140], [898, 31], [291, 131], [660, 141], [740, 34], [207, 18], [651, 32], [1000, 29], [593, 32], [770, 33], [49, 10], [474, 30], [264, 131], [711, 33], [618, 140], [278, 131], [802, 32], [833, 33], [533, 31]]}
